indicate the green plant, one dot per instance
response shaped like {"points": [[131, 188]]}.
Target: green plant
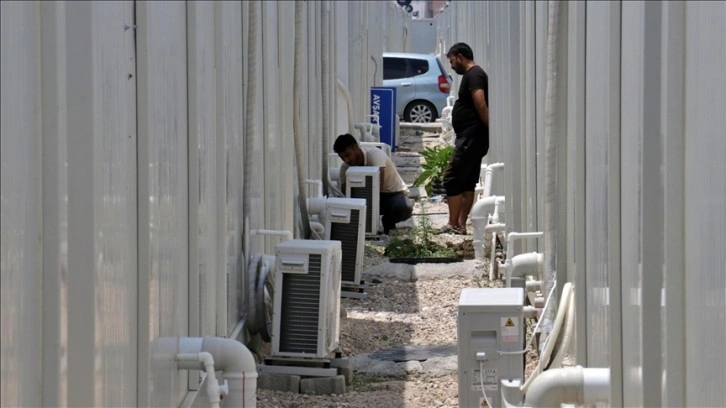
{"points": [[436, 160], [418, 242]]}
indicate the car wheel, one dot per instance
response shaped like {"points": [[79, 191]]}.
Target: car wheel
{"points": [[420, 112]]}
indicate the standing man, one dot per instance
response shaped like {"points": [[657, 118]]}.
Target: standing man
{"points": [[470, 119], [395, 206]]}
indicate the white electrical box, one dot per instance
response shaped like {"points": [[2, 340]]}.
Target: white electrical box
{"points": [[489, 321]]}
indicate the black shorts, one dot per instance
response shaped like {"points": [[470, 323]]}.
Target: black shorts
{"points": [[462, 174]]}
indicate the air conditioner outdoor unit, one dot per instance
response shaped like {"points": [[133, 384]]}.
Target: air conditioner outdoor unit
{"points": [[365, 182], [490, 332], [345, 222], [306, 314]]}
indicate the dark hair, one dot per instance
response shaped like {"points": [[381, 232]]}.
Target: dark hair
{"points": [[343, 142], [463, 49]]}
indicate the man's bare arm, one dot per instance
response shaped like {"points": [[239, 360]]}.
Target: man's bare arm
{"points": [[480, 103]]}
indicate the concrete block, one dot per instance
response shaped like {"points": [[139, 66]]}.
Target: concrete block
{"points": [[347, 373], [323, 385], [279, 382]]}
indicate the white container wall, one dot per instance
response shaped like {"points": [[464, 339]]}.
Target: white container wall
{"points": [[141, 141], [640, 189], [126, 193]]}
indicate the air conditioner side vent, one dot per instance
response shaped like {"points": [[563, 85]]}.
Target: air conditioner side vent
{"points": [[367, 194], [347, 234]]}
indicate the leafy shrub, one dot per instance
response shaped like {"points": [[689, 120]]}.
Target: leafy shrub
{"points": [[437, 159]]}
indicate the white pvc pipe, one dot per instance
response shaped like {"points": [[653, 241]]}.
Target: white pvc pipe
{"points": [[316, 205], [518, 235], [214, 390], [525, 264], [279, 233], [597, 385], [570, 385], [236, 362], [318, 183]]}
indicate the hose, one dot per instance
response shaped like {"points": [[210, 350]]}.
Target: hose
{"points": [[550, 209], [297, 131], [249, 156], [551, 341], [562, 345], [325, 89]]}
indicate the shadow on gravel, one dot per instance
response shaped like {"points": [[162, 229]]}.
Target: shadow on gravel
{"points": [[386, 295]]}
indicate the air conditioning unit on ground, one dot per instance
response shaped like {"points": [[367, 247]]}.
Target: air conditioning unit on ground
{"points": [[307, 298], [345, 222], [490, 321], [365, 182]]}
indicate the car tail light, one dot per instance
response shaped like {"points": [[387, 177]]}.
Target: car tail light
{"points": [[443, 84]]}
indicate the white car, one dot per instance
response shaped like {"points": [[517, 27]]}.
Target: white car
{"points": [[421, 83]]}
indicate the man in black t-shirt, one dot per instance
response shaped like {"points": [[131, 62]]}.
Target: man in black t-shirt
{"points": [[470, 119]]}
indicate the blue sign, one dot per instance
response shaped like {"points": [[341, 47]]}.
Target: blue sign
{"points": [[383, 103]]}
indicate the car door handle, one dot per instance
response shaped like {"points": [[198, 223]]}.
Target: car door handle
{"points": [[406, 84]]}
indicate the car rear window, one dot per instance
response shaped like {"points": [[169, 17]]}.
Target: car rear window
{"points": [[441, 67], [419, 67], [394, 68]]}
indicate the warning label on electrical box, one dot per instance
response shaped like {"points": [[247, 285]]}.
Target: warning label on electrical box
{"points": [[510, 329]]}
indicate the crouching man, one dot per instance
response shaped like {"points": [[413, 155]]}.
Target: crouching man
{"points": [[394, 203]]}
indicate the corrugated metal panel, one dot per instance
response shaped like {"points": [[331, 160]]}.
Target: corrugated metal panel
{"points": [[162, 96], [55, 204], [20, 206], [601, 127], [631, 186], [203, 146], [705, 202], [231, 125], [114, 197]]}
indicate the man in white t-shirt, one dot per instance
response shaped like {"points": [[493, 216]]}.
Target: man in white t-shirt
{"points": [[394, 203]]}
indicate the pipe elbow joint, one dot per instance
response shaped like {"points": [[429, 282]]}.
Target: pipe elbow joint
{"points": [[569, 385], [527, 264], [232, 356], [553, 387]]}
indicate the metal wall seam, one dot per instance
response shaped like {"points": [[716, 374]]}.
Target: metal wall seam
{"points": [[632, 128], [81, 206], [576, 168], [672, 118], [54, 211]]}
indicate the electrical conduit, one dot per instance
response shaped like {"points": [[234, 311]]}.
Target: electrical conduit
{"points": [[297, 131], [249, 165], [325, 89], [549, 156]]}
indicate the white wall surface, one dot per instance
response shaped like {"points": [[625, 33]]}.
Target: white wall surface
{"points": [[126, 195], [640, 191]]}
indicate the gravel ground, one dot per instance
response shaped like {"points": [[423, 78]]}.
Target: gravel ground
{"points": [[397, 313]]}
